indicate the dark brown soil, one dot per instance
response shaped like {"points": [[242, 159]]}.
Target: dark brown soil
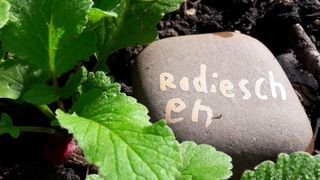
{"points": [[266, 20]]}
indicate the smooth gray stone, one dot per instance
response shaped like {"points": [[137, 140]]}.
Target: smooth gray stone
{"points": [[226, 90]]}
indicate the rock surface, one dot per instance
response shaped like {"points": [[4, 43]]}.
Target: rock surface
{"points": [[224, 89]]}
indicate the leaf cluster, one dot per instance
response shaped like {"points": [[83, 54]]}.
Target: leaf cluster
{"points": [[44, 44], [298, 165]]}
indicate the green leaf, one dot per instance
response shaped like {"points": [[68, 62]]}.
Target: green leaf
{"points": [[96, 17], [54, 123], [2, 55], [201, 162], [94, 177], [41, 94], [97, 105], [115, 134], [99, 80], [6, 126], [47, 33], [73, 83], [4, 12], [123, 150], [16, 77], [134, 25], [298, 165]]}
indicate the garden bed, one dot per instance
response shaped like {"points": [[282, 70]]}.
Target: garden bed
{"points": [[267, 20]]}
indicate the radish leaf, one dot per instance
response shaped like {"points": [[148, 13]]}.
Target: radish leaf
{"points": [[298, 165], [115, 134], [41, 94], [4, 12], [16, 77], [47, 33], [203, 162], [134, 24], [6, 126]]}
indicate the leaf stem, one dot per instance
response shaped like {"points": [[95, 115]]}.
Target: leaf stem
{"points": [[46, 111], [35, 129], [55, 80], [61, 105]]}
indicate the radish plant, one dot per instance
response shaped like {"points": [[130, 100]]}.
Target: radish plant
{"points": [[44, 45]]}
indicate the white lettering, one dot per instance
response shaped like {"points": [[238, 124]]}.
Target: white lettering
{"points": [[200, 82], [198, 107], [174, 105], [213, 88], [215, 75], [273, 86], [257, 89], [225, 87], [184, 84], [166, 80], [242, 85]]}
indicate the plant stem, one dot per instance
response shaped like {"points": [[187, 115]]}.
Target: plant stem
{"points": [[60, 105], [55, 81], [36, 129], [46, 111]]}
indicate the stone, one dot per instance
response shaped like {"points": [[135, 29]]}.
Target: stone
{"points": [[223, 89]]}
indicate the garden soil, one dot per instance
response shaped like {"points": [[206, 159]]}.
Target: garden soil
{"points": [[267, 20]]}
